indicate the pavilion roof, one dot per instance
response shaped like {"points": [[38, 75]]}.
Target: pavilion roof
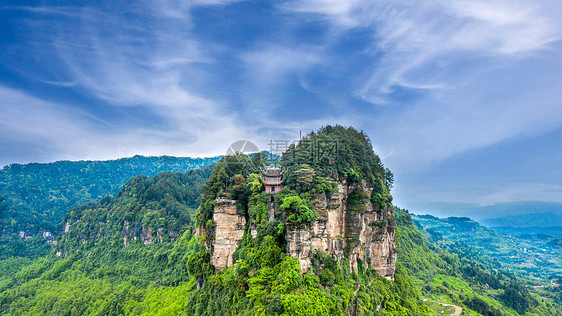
{"points": [[272, 171]]}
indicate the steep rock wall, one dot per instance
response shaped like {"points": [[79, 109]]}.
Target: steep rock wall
{"points": [[228, 230], [366, 235]]}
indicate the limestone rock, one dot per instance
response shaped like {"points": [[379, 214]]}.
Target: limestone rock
{"points": [[228, 230], [365, 235]]}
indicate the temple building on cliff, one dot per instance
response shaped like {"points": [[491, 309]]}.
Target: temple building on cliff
{"points": [[271, 177]]}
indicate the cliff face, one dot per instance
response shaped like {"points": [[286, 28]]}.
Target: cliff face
{"points": [[365, 233], [228, 231]]}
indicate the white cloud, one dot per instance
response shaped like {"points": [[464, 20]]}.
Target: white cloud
{"points": [[105, 58], [270, 67], [180, 9], [272, 63], [56, 131], [483, 72]]}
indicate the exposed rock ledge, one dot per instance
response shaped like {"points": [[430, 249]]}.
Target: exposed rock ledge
{"points": [[366, 236], [229, 228]]}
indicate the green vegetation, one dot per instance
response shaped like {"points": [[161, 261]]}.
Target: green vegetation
{"points": [[34, 198], [103, 276], [298, 209], [334, 152], [155, 209], [454, 272], [535, 257], [356, 200], [137, 253], [235, 177], [98, 272], [265, 281]]}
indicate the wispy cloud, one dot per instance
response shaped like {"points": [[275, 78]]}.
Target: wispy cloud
{"points": [[104, 58], [53, 131], [453, 60]]}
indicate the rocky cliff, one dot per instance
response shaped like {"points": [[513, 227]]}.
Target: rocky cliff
{"points": [[227, 232], [364, 234]]}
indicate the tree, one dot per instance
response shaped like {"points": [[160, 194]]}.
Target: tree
{"points": [[305, 176], [298, 209]]}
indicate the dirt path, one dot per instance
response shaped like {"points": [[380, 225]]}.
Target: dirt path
{"points": [[458, 309]]}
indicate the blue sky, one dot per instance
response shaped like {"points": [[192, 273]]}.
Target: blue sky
{"points": [[466, 108]]}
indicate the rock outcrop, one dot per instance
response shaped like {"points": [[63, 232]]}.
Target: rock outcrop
{"points": [[227, 232], [365, 235]]}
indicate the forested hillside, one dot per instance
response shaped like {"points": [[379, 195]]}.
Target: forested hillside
{"points": [[534, 257], [161, 277], [34, 198], [108, 263], [93, 269], [448, 270], [137, 253]]}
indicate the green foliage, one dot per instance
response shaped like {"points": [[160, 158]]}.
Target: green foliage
{"points": [[38, 195], [353, 175], [14, 246], [305, 177], [234, 177], [258, 208], [153, 209], [460, 274], [325, 185], [356, 200], [540, 260], [298, 209], [100, 275], [175, 277], [35, 197], [517, 297], [198, 263], [380, 194], [335, 152], [478, 305]]}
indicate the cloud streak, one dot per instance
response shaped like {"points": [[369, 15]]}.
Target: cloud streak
{"points": [[129, 70], [459, 107]]}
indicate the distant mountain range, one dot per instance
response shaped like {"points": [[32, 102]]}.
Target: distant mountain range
{"points": [[484, 213], [526, 220], [539, 223], [528, 251]]}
